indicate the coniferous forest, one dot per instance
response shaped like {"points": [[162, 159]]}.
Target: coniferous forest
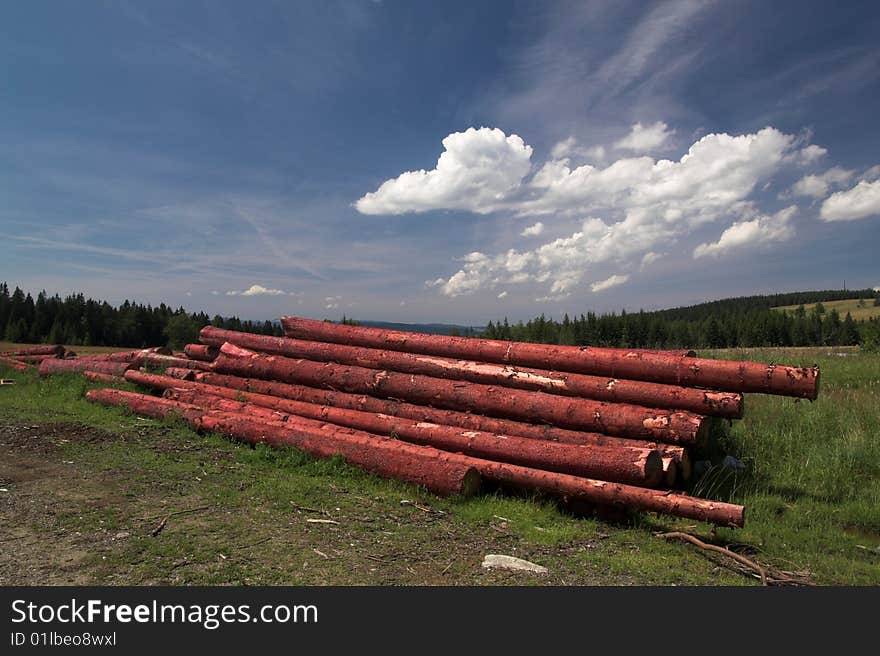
{"points": [[77, 320], [736, 322]]}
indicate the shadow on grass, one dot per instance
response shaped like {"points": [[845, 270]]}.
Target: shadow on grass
{"points": [[718, 471]]}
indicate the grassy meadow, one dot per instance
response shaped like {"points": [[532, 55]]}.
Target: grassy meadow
{"points": [[860, 309], [86, 487]]}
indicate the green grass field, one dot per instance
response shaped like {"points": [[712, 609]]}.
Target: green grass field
{"points": [[85, 487], [862, 312]]}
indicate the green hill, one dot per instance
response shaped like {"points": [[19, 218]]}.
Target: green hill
{"points": [[861, 309]]}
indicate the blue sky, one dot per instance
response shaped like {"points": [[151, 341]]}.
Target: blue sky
{"points": [[453, 162]]}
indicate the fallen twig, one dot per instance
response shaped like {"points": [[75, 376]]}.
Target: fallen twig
{"points": [[177, 512], [254, 544], [767, 575], [407, 502], [155, 532], [307, 509]]}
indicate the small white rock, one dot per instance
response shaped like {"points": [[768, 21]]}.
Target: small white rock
{"points": [[512, 562]]}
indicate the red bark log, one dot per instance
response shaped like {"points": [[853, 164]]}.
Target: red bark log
{"points": [[49, 349], [274, 395], [616, 495], [567, 412], [49, 367], [213, 402], [652, 395], [675, 353], [34, 359], [622, 465], [97, 377], [563, 485], [136, 356], [440, 472], [180, 373], [201, 352], [724, 375], [158, 360], [17, 365]]}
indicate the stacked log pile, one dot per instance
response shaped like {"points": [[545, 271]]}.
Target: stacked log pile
{"points": [[29, 358], [609, 427]]}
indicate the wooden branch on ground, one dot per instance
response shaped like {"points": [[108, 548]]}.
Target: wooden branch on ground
{"points": [[161, 526], [767, 575]]}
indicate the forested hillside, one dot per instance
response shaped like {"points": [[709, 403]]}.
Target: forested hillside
{"points": [[76, 320], [747, 322], [735, 322]]}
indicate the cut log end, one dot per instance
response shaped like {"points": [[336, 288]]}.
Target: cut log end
{"points": [[670, 471], [201, 352], [653, 469], [701, 435], [685, 466], [471, 482]]}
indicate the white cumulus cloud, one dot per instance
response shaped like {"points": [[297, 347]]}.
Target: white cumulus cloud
{"points": [[871, 174], [649, 203], [563, 148], [638, 206], [774, 227], [608, 283], [645, 138], [533, 230], [809, 154], [257, 290], [860, 202], [649, 258], [477, 170], [817, 186], [571, 148]]}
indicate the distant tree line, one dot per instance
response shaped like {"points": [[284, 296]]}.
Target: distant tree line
{"points": [[737, 322], [77, 320]]}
